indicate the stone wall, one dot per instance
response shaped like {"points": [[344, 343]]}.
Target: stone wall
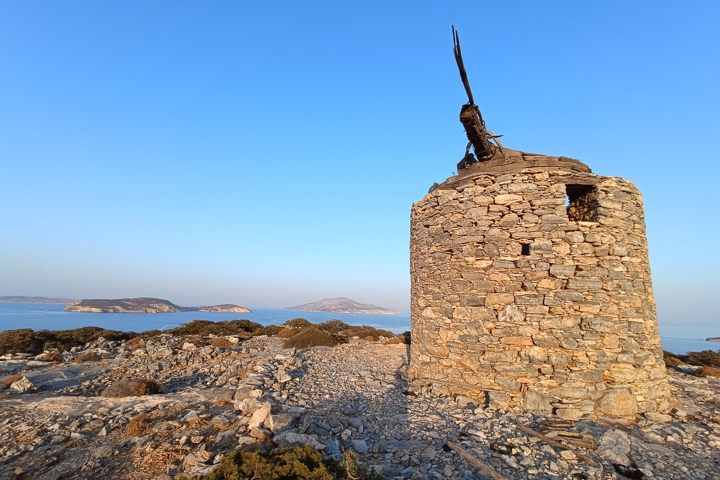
{"points": [[531, 289]]}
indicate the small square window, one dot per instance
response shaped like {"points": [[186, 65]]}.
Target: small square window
{"points": [[581, 203]]}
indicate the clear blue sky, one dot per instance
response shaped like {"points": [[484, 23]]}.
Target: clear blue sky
{"points": [[268, 153]]}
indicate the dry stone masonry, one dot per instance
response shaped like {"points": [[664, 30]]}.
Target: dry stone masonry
{"points": [[531, 290]]}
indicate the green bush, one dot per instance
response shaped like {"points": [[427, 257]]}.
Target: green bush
{"points": [[26, 340], [206, 327], [286, 464], [311, 337], [333, 327], [298, 323]]}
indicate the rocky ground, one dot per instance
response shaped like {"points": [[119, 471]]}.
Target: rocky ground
{"points": [[225, 393]]}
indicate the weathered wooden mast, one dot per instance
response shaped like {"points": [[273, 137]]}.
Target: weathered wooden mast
{"points": [[471, 119]]}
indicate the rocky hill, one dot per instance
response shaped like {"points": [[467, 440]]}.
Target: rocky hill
{"points": [[219, 394], [26, 299], [343, 305], [144, 305], [225, 307]]}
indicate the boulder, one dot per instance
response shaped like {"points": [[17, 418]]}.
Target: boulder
{"points": [[294, 439], [23, 385]]}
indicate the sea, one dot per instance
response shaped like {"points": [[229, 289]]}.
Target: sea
{"points": [[678, 339]]}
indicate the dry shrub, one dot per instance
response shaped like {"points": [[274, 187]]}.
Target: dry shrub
{"points": [[707, 372], [7, 381], [706, 358], [135, 343], [398, 339], [220, 342], [286, 332], [197, 341], [88, 356], [671, 360], [273, 330], [3, 396], [130, 387], [368, 333], [26, 340], [50, 357], [311, 337], [137, 426], [242, 373]]}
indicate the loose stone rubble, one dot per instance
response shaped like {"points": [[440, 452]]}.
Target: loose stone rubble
{"points": [[351, 397]]}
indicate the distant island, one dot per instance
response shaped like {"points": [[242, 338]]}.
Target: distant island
{"points": [[713, 339], [343, 305], [25, 299], [225, 307], [145, 305]]}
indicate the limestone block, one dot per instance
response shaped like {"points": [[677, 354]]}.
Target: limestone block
{"points": [[622, 373], [509, 340], [618, 403], [584, 284], [545, 340], [562, 271], [23, 385], [507, 199], [569, 413], [495, 300], [511, 313], [529, 298]]}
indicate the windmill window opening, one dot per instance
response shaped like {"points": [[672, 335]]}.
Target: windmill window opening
{"points": [[525, 249], [581, 203]]}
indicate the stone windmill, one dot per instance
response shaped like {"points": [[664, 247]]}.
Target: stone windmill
{"points": [[531, 285]]}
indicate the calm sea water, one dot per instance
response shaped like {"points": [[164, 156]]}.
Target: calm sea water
{"points": [[50, 316], [675, 338]]}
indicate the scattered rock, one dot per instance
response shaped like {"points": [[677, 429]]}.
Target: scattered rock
{"points": [[349, 398], [23, 385]]}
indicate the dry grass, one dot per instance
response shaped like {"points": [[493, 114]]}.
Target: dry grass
{"points": [[128, 387], [135, 343], [7, 381], [286, 332], [50, 357], [671, 360], [137, 426], [88, 356], [197, 341], [3, 396], [707, 372], [221, 342], [397, 339]]}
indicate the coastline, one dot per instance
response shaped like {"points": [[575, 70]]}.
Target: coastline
{"points": [[678, 339]]}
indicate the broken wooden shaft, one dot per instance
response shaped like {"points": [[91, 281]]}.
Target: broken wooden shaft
{"points": [[475, 461], [470, 115]]}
